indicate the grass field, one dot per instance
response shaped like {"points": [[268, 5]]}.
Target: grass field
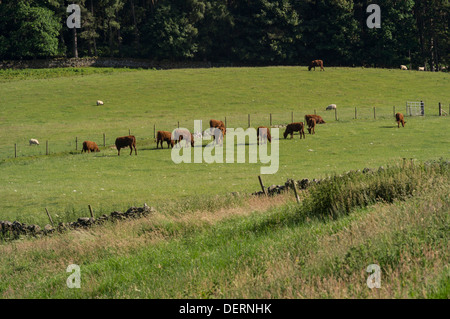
{"points": [[204, 242], [61, 107]]}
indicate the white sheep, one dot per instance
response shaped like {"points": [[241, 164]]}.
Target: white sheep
{"points": [[99, 102], [421, 68], [34, 141], [403, 67], [331, 107]]}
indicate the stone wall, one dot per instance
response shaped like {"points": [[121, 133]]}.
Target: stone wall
{"points": [[101, 62], [13, 230]]}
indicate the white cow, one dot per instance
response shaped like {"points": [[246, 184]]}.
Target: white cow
{"points": [[331, 107], [403, 67], [34, 141], [99, 102]]}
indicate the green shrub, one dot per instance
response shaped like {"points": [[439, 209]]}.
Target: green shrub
{"points": [[338, 195]]}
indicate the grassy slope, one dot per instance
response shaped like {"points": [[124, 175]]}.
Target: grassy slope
{"points": [[58, 109], [258, 249]]}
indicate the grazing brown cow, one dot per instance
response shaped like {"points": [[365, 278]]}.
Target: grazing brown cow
{"points": [[221, 126], [311, 125], [294, 127], [126, 141], [318, 118], [164, 136], [218, 124], [180, 134], [213, 131], [264, 133], [89, 146], [399, 118], [315, 63]]}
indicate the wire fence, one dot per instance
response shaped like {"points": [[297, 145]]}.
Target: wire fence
{"points": [[146, 134]]}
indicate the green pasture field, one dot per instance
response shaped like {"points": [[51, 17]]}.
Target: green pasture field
{"points": [[59, 107]]}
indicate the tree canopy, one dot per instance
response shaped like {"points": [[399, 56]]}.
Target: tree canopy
{"points": [[254, 32]]}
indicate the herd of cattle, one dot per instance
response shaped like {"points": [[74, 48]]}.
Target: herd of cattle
{"points": [[263, 134]]}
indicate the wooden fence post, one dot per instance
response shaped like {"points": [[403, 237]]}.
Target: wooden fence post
{"points": [[315, 112], [249, 120], [295, 191], [129, 132], [46, 147], [335, 114], [393, 110], [15, 150], [76, 143], [374, 113], [90, 210], [292, 117], [225, 121], [271, 119], [154, 130], [262, 185], [49, 217], [104, 140], [356, 116], [440, 109]]}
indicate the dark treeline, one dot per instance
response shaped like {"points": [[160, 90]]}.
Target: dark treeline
{"points": [[253, 32]]}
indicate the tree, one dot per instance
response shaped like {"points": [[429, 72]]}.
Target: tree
{"points": [[89, 25], [264, 31], [432, 18], [329, 30], [111, 24], [27, 31], [171, 32], [391, 44], [215, 32]]}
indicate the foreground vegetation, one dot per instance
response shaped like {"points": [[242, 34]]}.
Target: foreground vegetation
{"points": [[259, 247]]}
